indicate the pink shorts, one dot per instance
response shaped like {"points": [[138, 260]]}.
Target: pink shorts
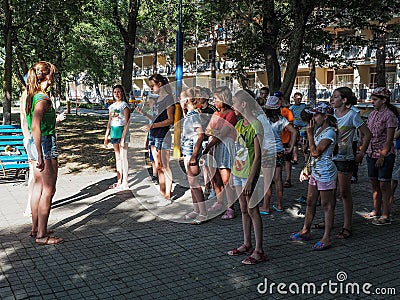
{"points": [[322, 186]]}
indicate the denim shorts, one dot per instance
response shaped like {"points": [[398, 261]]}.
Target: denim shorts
{"points": [[118, 140], [346, 166], [239, 182], [322, 186], [383, 173], [164, 143], [49, 148]]}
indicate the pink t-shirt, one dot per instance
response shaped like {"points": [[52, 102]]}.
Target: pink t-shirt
{"points": [[378, 122]]}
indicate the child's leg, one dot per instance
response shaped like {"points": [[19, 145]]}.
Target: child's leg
{"points": [[165, 157], [195, 189], [312, 197], [328, 202], [246, 220], [124, 163], [225, 176], [279, 187], [118, 163], [255, 216]]}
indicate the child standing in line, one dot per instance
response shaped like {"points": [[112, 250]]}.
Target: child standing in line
{"points": [[246, 172], [191, 140], [322, 180], [222, 130], [277, 123], [149, 116], [118, 129]]}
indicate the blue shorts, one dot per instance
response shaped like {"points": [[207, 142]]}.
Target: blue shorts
{"points": [[118, 140], [241, 182], [383, 173], [49, 148], [161, 143]]}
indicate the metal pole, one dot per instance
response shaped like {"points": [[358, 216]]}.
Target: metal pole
{"points": [[178, 82]]}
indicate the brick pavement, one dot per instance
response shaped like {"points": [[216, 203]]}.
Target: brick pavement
{"points": [[120, 247]]}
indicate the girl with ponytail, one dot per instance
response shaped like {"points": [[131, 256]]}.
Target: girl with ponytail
{"points": [[41, 148]]}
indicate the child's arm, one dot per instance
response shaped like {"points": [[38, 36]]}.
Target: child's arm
{"points": [[197, 147], [107, 130]]}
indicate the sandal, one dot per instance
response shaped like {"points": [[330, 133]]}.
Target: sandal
{"points": [[113, 186], [251, 260], [229, 214], [49, 240], [287, 184], [382, 221], [319, 246], [371, 215], [190, 216], [297, 237], [344, 233], [240, 250], [320, 225], [200, 219]]}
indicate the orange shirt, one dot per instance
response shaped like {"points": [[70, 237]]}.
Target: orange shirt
{"points": [[287, 113]]}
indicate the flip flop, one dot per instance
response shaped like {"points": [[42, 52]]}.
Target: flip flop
{"points": [[265, 213], [236, 251], [297, 237], [276, 208], [320, 246]]}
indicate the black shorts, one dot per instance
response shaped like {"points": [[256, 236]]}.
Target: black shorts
{"points": [[287, 156], [345, 166]]}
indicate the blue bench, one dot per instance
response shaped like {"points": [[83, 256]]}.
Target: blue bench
{"points": [[11, 135]]}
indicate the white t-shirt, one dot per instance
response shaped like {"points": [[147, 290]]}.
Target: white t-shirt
{"points": [[275, 144], [323, 168], [347, 125], [117, 113]]}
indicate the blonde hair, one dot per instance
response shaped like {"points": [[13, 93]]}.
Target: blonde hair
{"points": [[36, 75]]}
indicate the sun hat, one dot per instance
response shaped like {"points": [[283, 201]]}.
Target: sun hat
{"points": [[322, 108], [381, 92], [272, 103]]}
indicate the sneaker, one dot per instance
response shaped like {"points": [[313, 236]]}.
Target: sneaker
{"points": [[212, 195], [163, 203], [153, 200], [154, 179]]}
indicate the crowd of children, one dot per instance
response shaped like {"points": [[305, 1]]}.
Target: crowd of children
{"points": [[236, 139]]}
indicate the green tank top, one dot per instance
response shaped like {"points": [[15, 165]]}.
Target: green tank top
{"points": [[48, 123]]}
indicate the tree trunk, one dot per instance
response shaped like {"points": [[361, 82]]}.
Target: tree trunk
{"points": [[313, 84], [129, 37], [380, 60], [7, 85], [155, 54], [270, 34], [213, 59]]}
